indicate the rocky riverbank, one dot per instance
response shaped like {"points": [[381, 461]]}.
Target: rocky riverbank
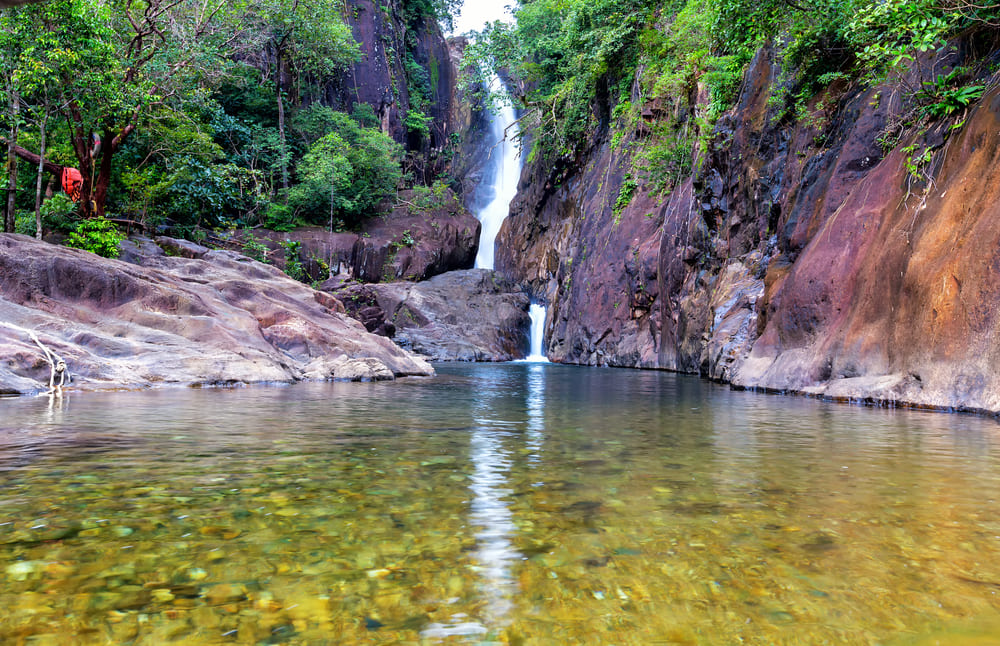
{"points": [[217, 319]]}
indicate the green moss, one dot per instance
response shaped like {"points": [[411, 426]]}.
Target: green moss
{"points": [[434, 68]]}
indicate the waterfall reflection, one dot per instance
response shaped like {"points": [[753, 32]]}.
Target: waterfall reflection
{"points": [[489, 513], [495, 552], [535, 428]]}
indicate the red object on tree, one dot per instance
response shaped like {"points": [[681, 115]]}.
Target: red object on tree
{"points": [[72, 181]]}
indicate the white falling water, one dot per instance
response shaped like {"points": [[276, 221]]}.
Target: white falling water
{"points": [[537, 313], [506, 172], [506, 164]]}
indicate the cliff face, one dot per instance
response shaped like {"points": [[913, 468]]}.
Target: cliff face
{"points": [[408, 65], [799, 258], [405, 66]]}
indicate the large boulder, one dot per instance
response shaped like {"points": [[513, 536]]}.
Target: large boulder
{"points": [[221, 319], [416, 240], [473, 315]]}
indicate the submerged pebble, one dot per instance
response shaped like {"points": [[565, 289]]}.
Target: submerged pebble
{"points": [[731, 532]]}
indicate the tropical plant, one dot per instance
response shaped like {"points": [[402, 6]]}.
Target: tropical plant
{"points": [[96, 235], [346, 173]]}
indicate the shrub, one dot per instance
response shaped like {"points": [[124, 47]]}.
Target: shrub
{"points": [[253, 248], [279, 217], [24, 223], [429, 198], [293, 260], [96, 236], [59, 213]]}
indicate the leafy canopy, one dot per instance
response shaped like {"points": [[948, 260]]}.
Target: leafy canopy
{"points": [[351, 169]]}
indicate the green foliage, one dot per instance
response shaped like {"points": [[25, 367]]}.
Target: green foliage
{"points": [[442, 11], [578, 60], [253, 248], [308, 34], [279, 217], [431, 198], [418, 123], [192, 133], [98, 236], [346, 173], [418, 84], [667, 161], [741, 26], [293, 260], [943, 96], [916, 161], [888, 33], [24, 223], [625, 194], [204, 192], [323, 272], [572, 54], [59, 213]]}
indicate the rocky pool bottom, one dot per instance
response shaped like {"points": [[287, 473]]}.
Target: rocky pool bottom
{"points": [[513, 503]]}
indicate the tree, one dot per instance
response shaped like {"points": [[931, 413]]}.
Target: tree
{"points": [[9, 49], [118, 61], [290, 40], [41, 61], [347, 172], [15, 103], [570, 58]]}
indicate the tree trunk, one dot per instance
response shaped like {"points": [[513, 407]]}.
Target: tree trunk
{"points": [[103, 180], [35, 158], [283, 153], [333, 196], [8, 221], [41, 171]]}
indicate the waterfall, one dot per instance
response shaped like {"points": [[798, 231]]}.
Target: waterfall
{"points": [[506, 170], [537, 313]]}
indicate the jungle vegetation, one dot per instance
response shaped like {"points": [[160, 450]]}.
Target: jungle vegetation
{"points": [[580, 67], [191, 113]]}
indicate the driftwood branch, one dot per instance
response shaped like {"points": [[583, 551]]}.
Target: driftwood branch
{"points": [[57, 365]]}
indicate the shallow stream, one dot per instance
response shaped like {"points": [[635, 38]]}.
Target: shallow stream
{"points": [[516, 503]]}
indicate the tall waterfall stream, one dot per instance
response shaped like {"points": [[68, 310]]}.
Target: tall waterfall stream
{"points": [[505, 161]]}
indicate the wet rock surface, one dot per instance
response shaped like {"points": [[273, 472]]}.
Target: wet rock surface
{"points": [[222, 319], [473, 315]]}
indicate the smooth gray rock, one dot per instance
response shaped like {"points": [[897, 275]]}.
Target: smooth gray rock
{"points": [[469, 315]]}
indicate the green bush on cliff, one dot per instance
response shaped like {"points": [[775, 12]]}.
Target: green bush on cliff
{"points": [[571, 56], [576, 61]]}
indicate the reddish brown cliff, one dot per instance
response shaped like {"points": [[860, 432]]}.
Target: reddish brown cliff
{"points": [[383, 79], [798, 258]]}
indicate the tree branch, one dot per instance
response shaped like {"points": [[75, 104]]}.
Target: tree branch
{"points": [[34, 158]]}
